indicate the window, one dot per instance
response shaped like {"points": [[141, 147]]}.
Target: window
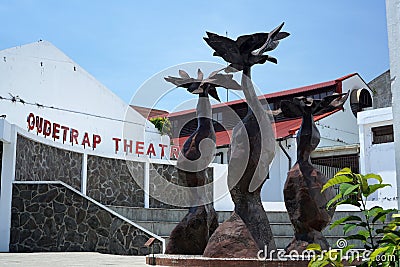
{"points": [[359, 100], [382, 134], [268, 106], [217, 117]]}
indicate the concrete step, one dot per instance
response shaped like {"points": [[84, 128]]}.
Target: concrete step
{"points": [[278, 229], [175, 215], [158, 214], [163, 221], [282, 241]]}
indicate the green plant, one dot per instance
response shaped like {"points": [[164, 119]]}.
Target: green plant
{"points": [[388, 252], [354, 189], [163, 125], [333, 257]]}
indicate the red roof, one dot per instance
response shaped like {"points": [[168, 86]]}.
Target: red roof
{"points": [[150, 112], [276, 94], [283, 129], [222, 138]]}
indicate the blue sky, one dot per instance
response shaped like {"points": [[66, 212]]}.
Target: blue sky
{"points": [[124, 43]]}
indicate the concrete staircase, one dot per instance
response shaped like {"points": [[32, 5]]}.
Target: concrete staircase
{"points": [[162, 221]]}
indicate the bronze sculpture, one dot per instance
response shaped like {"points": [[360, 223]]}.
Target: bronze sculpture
{"points": [[191, 235], [304, 201], [253, 146]]}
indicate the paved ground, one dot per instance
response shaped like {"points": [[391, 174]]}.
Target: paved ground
{"points": [[56, 259]]}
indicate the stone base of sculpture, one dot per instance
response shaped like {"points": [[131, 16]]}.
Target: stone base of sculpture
{"points": [[191, 235], [232, 239], [306, 206]]}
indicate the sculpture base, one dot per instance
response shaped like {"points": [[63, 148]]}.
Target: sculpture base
{"points": [[187, 260], [191, 235], [299, 243], [232, 239], [306, 206]]}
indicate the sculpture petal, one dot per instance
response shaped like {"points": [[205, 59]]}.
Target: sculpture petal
{"points": [[248, 43], [184, 74], [200, 75], [224, 47], [291, 109], [330, 103], [226, 81], [213, 92]]}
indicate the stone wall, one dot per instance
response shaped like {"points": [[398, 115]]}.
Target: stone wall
{"points": [[115, 182], [39, 162], [51, 217], [159, 174], [382, 91]]}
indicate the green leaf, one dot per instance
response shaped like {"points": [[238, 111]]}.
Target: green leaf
{"points": [[343, 187], [397, 233], [374, 211], [373, 176], [316, 247], [336, 180], [363, 182], [387, 240], [351, 189], [380, 231], [362, 224], [364, 233], [333, 200], [372, 188], [375, 253], [349, 201], [348, 227], [344, 171], [319, 263], [345, 219], [381, 215]]}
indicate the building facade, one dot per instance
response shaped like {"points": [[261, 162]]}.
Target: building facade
{"points": [[339, 145]]}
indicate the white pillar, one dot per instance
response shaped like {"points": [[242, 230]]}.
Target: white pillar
{"points": [[7, 178], [393, 28], [84, 174], [146, 184]]}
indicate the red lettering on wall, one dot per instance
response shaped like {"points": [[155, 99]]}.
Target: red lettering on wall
{"points": [[86, 140], [56, 130], [74, 136], [151, 150], [65, 130], [46, 128], [139, 147], [117, 140], [31, 121], [128, 146], [96, 140], [174, 152], [39, 124], [162, 149]]}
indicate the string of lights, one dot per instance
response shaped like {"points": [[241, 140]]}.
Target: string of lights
{"points": [[333, 128], [17, 99]]}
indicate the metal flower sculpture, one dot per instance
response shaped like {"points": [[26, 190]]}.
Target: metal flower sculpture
{"points": [[204, 86], [247, 50], [191, 235], [252, 150], [304, 182]]}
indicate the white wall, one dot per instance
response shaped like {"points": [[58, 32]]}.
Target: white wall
{"points": [[393, 28], [337, 129], [378, 158], [40, 73]]}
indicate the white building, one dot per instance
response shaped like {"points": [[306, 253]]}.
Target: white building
{"points": [[339, 145]]}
